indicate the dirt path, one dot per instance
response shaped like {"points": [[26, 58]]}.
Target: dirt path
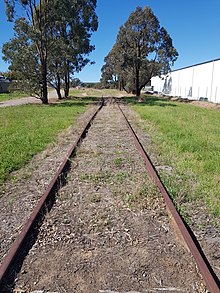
{"points": [[27, 100], [108, 230]]}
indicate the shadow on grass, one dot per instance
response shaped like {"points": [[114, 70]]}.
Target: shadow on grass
{"points": [[149, 101]]}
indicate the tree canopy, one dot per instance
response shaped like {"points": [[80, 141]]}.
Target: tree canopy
{"points": [[50, 43], [142, 50]]}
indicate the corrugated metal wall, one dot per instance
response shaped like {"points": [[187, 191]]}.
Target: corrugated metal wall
{"points": [[198, 82]]}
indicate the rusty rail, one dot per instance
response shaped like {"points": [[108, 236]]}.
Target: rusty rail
{"points": [[13, 251], [208, 275], [206, 271]]}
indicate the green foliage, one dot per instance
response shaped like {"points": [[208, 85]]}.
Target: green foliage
{"points": [[188, 138], [22, 54], [143, 49], [75, 82], [72, 32], [26, 130], [51, 43], [12, 75]]}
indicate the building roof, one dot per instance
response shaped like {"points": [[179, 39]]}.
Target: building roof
{"points": [[213, 60]]}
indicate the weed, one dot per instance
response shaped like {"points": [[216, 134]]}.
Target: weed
{"points": [[85, 177], [96, 198], [118, 162], [182, 211], [121, 176], [129, 198], [11, 200], [96, 177]]}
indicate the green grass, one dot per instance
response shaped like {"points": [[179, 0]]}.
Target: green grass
{"points": [[83, 92], [187, 138], [12, 96], [26, 130]]}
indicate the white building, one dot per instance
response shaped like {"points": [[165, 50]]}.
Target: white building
{"points": [[196, 82]]}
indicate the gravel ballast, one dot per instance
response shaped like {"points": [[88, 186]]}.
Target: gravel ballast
{"points": [[108, 230]]}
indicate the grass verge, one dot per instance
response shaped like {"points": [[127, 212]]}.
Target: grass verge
{"points": [[26, 130], [12, 96], [84, 92], [187, 138]]}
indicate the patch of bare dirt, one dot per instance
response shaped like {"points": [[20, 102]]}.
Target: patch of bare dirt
{"points": [[206, 105], [202, 104], [108, 230], [52, 96]]}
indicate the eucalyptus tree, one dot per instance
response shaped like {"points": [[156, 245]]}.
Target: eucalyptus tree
{"points": [[32, 31], [56, 35], [109, 72], [114, 71], [80, 22], [23, 56], [71, 32], [144, 49]]}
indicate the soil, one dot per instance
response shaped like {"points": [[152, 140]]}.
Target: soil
{"points": [[202, 104], [18, 102], [52, 97], [108, 230], [206, 105]]}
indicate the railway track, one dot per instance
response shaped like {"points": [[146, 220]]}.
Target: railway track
{"points": [[98, 236]]}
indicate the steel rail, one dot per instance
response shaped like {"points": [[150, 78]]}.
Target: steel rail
{"points": [[14, 249], [206, 271]]}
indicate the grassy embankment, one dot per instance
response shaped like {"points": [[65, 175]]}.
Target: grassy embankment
{"points": [[12, 96], [187, 138], [26, 130]]}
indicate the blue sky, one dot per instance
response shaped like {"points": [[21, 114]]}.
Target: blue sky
{"points": [[194, 26]]}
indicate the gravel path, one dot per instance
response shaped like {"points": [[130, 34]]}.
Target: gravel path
{"points": [[108, 230]]}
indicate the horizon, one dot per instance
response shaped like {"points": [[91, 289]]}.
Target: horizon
{"points": [[193, 27]]}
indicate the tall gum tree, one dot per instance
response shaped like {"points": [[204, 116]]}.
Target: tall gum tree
{"points": [[37, 20], [73, 24], [145, 50], [58, 37]]}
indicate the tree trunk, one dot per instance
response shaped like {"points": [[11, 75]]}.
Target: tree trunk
{"points": [[125, 90], [59, 93], [44, 97], [138, 92], [120, 85], [58, 88], [137, 84], [67, 85]]}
